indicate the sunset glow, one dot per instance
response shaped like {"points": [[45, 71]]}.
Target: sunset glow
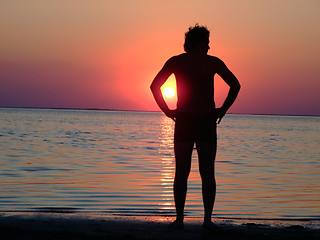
{"points": [[168, 92], [104, 54], [170, 88]]}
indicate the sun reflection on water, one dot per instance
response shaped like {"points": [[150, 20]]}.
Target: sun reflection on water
{"points": [[167, 171], [123, 163]]}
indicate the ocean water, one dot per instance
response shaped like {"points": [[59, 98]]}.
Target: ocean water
{"points": [[122, 163]]}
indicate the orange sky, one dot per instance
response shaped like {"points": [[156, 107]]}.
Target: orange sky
{"points": [[104, 54]]}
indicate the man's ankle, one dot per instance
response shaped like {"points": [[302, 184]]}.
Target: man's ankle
{"points": [[180, 218], [207, 219]]}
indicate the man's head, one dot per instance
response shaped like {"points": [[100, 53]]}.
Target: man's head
{"points": [[197, 39]]}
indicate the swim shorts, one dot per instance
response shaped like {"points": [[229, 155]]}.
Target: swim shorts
{"points": [[192, 127]]}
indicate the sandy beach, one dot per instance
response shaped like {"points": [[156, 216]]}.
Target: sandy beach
{"points": [[71, 226]]}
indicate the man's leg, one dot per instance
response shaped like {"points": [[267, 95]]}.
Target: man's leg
{"points": [[183, 152], [207, 154]]}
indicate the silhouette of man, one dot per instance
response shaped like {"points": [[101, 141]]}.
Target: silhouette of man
{"points": [[196, 116]]}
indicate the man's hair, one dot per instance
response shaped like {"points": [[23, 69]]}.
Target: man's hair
{"points": [[194, 36]]}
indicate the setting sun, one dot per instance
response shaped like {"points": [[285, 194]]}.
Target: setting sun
{"points": [[168, 92]]}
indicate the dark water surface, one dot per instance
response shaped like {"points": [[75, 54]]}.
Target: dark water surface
{"points": [[123, 163]]}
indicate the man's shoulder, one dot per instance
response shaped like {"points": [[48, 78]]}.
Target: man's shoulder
{"points": [[173, 61], [177, 57], [184, 58], [214, 58]]}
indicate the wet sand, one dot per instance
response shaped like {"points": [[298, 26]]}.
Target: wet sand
{"points": [[71, 226]]}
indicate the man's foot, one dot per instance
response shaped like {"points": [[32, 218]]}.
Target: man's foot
{"points": [[176, 225], [210, 226]]}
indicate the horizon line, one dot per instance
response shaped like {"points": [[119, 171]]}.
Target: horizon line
{"points": [[136, 110]]}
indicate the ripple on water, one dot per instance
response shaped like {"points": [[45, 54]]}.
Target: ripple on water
{"points": [[123, 163]]}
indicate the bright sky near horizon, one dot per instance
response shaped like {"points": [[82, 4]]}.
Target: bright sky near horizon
{"points": [[104, 54]]}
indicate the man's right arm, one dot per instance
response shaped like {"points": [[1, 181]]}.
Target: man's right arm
{"points": [[234, 85], [156, 84]]}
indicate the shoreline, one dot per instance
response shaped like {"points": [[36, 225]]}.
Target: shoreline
{"points": [[97, 226]]}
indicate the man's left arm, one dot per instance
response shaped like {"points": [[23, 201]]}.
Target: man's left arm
{"points": [[234, 85]]}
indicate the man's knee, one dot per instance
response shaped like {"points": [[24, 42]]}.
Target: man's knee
{"points": [[207, 175]]}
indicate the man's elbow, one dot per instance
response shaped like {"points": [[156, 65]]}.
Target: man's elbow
{"points": [[236, 86], [154, 87]]}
